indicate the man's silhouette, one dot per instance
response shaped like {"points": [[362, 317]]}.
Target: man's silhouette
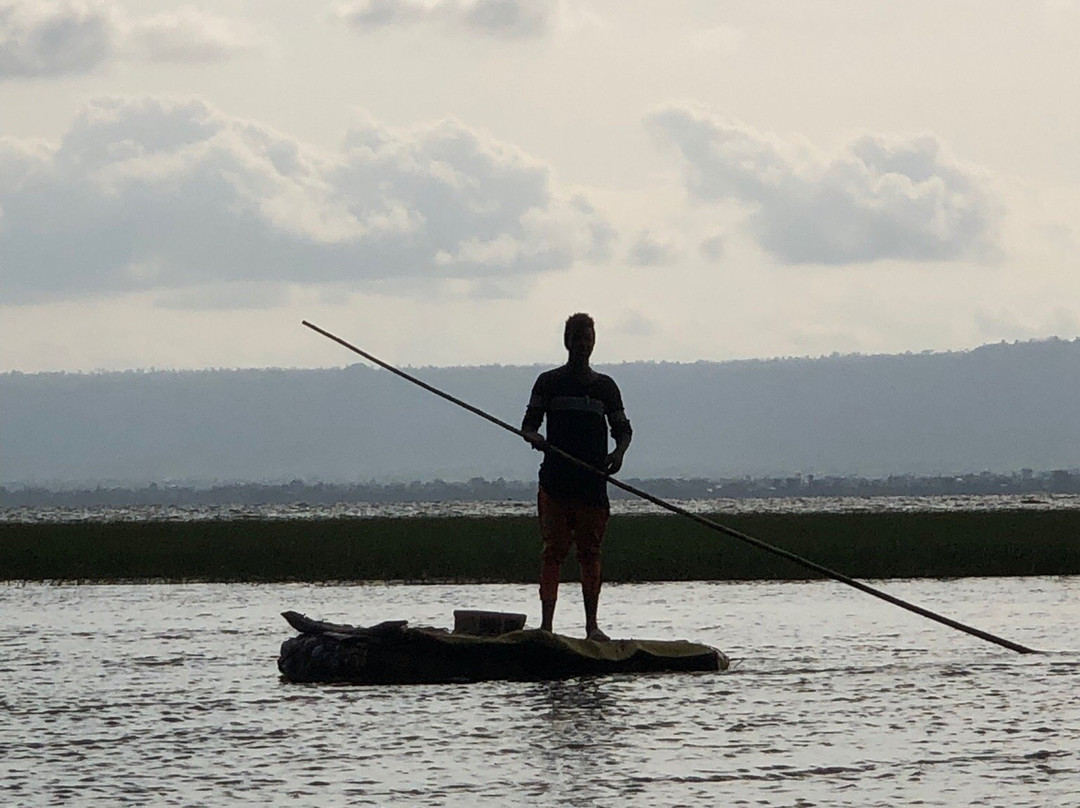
{"points": [[580, 405]]}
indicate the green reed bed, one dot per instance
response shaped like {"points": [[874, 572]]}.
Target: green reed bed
{"points": [[638, 548]]}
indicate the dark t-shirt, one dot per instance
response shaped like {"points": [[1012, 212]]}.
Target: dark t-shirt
{"points": [[576, 412]]}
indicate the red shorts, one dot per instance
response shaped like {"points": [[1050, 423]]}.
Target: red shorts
{"points": [[564, 523]]}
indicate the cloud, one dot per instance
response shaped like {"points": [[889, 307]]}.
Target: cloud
{"points": [[55, 39], [43, 39], [649, 250], [879, 198], [189, 35], [636, 324], [712, 248], [511, 19], [159, 194], [225, 296], [1002, 322]]}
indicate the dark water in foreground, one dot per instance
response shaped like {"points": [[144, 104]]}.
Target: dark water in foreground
{"points": [[898, 504], [169, 695]]}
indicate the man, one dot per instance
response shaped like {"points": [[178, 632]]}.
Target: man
{"points": [[572, 502]]}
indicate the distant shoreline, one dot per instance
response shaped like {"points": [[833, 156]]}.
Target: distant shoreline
{"points": [[505, 549], [1024, 482]]}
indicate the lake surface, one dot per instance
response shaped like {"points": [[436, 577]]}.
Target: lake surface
{"points": [[169, 695], [189, 513]]}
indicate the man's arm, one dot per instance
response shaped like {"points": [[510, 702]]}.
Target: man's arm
{"points": [[534, 416], [623, 434], [621, 431]]}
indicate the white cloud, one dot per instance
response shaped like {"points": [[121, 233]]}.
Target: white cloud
{"points": [[189, 35], [54, 39], [513, 19], [49, 39], [879, 198], [165, 194]]}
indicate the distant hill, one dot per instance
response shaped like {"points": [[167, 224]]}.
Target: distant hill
{"points": [[999, 407]]}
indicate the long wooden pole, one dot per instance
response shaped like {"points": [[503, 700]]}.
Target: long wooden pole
{"points": [[701, 520]]}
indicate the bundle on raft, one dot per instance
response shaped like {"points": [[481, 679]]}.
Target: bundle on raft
{"points": [[484, 646]]}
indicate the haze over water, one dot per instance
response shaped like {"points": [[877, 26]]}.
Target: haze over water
{"points": [[169, 695]]}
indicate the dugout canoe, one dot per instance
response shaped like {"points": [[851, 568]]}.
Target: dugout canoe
{"points": [[395, 653]]}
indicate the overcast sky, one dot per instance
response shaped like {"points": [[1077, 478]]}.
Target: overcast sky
{"points": [[443, 181]]}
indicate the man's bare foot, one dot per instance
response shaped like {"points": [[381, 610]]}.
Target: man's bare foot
{"points": [[596, 634]]}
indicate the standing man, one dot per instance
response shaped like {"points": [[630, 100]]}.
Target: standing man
{"points": [[580, 405]]}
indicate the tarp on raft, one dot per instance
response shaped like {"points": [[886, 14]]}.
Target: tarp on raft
{"points": [[393, 653]]}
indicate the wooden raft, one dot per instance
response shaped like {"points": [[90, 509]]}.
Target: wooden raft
{"points": [[393, 653]]}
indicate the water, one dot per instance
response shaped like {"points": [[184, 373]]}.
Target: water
{"points": [[168, 695], [189, 513]]}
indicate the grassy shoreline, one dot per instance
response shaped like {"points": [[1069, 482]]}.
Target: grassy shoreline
{"points": [[506, 549]]}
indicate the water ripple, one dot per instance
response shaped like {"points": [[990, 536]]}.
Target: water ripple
{"points": [[406, 510]]}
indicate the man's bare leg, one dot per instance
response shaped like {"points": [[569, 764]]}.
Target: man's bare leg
{"points": [[592, 628], [547, 614]]}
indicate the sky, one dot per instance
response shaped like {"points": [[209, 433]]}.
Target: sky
{"points": [[442, 182]]}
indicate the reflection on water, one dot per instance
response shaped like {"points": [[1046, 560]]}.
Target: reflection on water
{"points": [[404, 510], [572, 739], [168, 695]]}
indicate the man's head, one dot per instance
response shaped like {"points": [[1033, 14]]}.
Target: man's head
{"points": [[579, 335]]}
